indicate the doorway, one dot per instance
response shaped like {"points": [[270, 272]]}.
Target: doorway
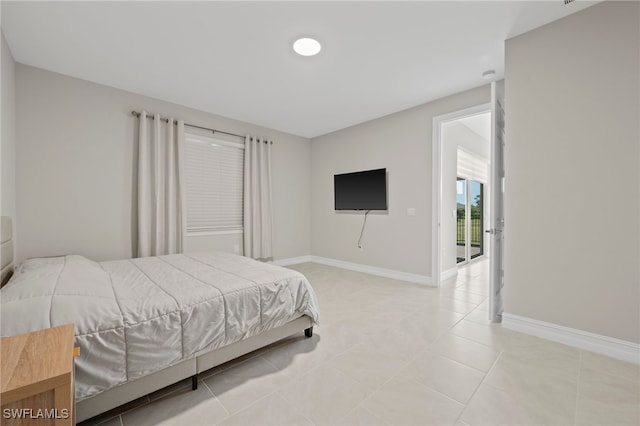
{"points": [[464, 173], [493, 195]]}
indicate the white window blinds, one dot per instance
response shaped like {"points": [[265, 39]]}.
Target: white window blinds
{"points": [[472, 166], [214, 171]]}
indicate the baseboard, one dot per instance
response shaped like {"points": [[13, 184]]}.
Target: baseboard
{"points": [[293, 260], [449, 273], [373, 270], [367, 269], [609, 346]]}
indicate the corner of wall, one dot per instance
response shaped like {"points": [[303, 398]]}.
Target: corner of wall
{"points": [[8, 125]]}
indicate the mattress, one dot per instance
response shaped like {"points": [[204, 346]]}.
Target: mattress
{"points": [[134, 317]]}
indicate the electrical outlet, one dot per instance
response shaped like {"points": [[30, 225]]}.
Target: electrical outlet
{"points": [[236, 248]]}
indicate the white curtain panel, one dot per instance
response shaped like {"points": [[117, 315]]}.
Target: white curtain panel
{"points": [[257, 218], [161, 212]]}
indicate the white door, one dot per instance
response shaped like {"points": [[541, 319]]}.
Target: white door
{"points": [[496, 276]]}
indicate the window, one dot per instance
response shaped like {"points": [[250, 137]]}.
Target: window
{"points": [[214, 172], [472, 166], [473, 171]]}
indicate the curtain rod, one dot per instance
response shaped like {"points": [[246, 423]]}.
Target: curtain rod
{"points": [[166, 120]]}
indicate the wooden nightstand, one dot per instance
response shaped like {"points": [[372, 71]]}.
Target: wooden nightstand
{"points": [[36, 377]]}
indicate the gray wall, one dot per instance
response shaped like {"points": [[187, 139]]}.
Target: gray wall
{"points": [[8, 150], [400, 142], [572, 161], [75, 165]]}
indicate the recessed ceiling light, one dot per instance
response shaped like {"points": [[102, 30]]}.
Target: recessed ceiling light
{"points": [[307, 46]]}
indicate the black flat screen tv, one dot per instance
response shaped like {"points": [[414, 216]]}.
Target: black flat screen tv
{"points": [[366, 190]]}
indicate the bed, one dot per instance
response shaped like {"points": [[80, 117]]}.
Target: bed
{"points": [[142, 324]]}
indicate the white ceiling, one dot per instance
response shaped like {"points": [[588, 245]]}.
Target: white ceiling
{"points": [[235, 58]]}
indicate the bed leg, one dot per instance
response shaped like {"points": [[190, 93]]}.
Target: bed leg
{"points": [[194, 382], [308, 332]]}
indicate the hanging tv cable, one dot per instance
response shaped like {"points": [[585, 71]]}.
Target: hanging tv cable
{"points": [[362, 230]]}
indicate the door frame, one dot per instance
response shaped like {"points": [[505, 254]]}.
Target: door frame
{"points": [[436, 177]]}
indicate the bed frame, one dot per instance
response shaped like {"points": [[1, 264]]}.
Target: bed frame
{"points": [[191, 367]]}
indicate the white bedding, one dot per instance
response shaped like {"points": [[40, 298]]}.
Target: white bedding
{"points": [[134, 317]]}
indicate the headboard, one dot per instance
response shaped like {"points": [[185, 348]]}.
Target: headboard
{"points": [[6, 249]]}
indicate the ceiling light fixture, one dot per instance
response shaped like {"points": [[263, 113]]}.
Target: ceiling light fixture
{"points": [[489, 74], [307, 46]]}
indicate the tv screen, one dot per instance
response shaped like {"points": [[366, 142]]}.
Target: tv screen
{"points": [[365, 190]]}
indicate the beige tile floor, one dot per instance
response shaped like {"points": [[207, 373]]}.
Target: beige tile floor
{"points": [[392, 353]]}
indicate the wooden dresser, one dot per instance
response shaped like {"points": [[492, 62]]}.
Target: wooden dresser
{"points": [[36, 377]]}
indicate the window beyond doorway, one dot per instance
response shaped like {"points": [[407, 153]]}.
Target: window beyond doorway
{"points": [[470, 219]]}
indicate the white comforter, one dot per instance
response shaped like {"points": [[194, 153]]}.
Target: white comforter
{"points": [[134, 317]]}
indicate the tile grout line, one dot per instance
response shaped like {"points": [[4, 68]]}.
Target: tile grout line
{"points": [[340, 372], [361, 407], [376, 388], [480, 384], [269, 362], [441, 394], [217, 399], [475, 341], [275, 392], [463, 364], [481, 343], [381, 385], [126, 411]]}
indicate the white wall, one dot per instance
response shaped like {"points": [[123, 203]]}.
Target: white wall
{"points": [[455, 134], [572, 172], [8, 149], [75, 167], [400, 142]]}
